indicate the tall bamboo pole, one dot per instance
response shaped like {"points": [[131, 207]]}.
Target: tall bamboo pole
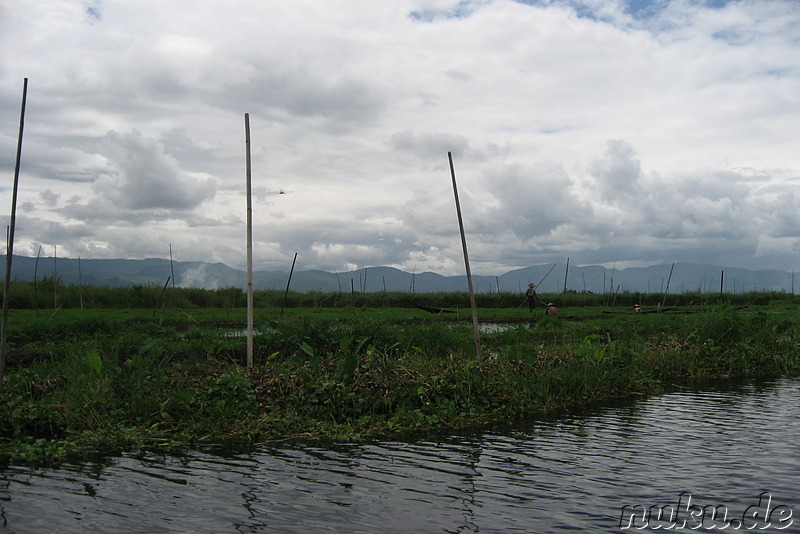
{"points": [[249, 246], [10, 246], [475, 328]]}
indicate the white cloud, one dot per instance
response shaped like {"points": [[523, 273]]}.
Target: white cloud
{"points": [[601, 131]]}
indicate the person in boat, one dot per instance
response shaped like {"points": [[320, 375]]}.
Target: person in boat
{"points": [[532, 297], [551, 309]]}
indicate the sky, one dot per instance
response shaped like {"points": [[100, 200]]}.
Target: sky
{"points": [[608, 132]]}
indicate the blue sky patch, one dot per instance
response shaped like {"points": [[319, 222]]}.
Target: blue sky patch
{"points": [[463, 9], [94, 10]]}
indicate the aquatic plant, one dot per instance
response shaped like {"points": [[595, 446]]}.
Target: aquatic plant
{"points": [[80, 382]]}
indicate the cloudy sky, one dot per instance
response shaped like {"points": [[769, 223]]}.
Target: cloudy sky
{"points": [[623, 132]]}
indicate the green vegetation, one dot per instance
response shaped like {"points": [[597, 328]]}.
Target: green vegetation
{"points": [[128, 374]]}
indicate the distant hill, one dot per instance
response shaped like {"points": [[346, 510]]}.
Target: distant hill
{"points": [[597, 279]]}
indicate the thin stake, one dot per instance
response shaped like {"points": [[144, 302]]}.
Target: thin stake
{"points": [[80, 282], [161, 297], [35, 275], [289, 281], [664, 300], [10, 247], [55, 277], [171, 268], [249, 245], [474, 306], [172, 277]]}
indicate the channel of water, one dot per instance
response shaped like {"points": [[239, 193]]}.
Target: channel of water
{"points": [[590, 471]]}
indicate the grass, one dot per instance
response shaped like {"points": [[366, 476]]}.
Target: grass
{"points": [[83, 381]]}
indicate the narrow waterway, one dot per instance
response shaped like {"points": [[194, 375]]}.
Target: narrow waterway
{"points": [[729, 448]]}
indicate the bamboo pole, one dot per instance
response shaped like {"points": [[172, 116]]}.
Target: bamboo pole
{"points": [[10, 246], [161, 298], [249, 245], [475, 328], [55, 277], [289, 281], [80, 282], [172, 277], [171, 268], [566, 274], [35, 279], [546, 275], [669, 278]]}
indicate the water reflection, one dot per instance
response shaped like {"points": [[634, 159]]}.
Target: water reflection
{"points": [[572, 473]]}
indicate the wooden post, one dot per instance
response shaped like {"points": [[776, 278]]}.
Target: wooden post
{"points": [[10, 246], [249, 245], [566, 274], [475, 328]]}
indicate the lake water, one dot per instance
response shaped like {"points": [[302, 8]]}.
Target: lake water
{"points": [[734, 449]]}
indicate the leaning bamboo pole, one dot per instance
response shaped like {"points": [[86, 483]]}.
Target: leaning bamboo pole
{"points": [[475, 327], [10, 245], [249, 245], [666, 290], [288, 282]]}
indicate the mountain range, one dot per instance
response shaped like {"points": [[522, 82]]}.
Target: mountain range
{"points": [[551, 278]]}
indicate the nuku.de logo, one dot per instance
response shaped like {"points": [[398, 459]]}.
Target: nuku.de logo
{"points": [[690, 516]]}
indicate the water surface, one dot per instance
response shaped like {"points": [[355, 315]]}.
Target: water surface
{"points": [[574, 473]]}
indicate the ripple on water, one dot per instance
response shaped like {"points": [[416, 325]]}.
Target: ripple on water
{"points": [[573, 473]]}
